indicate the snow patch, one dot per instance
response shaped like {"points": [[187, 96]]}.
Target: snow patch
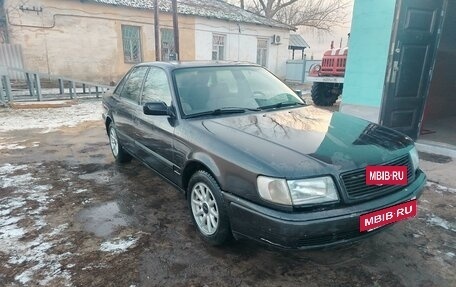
{"points": [[11, 146], [50, 119], [81, 190], [437, 221], [118, 245], [16, 180], [33, 255], [95, 266], [7, 205], [9, 168], [439, 188]]}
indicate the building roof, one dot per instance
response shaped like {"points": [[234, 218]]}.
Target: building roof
{"points": [[204, 8], [297, 42]]}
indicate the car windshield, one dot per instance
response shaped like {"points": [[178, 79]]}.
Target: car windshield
{"points": [[209, 90]]}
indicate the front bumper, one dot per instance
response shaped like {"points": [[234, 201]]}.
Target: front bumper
{"points": [[314, 229]]}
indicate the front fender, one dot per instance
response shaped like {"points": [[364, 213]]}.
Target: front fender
{"points": [[206, 160]]}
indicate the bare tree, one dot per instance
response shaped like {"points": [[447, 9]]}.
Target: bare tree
{"points": [[269, 8], [319, 14]]}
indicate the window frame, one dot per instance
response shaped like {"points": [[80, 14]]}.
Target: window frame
{"points": [[218, 47], [266, 40], [171, 45], [140, 55]]}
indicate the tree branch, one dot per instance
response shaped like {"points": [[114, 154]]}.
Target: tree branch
{"points": [[319, 14]]}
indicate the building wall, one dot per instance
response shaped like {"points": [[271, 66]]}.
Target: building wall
{"points": [[370, 38], [241, 42], [83, 40]]}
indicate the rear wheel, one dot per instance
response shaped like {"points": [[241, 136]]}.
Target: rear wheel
{"points": [[207, 208], [118, 151], [325, 94]]}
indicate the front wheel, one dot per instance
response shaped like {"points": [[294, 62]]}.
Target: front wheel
{"points": [[118, 151], [325, 94], [208, 208]]}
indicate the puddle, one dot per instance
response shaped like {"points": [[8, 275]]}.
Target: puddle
{"points": [[435, 157], [100, 177], [102, 220]]}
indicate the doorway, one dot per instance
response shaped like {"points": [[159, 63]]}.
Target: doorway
{"points": [[412, 54], [439, 117]]}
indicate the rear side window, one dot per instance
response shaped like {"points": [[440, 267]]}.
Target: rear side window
{"points": [[132, 88], [156, 87], [119, 88]]}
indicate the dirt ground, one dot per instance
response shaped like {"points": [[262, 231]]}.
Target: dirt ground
{"points": [[69, 216]]}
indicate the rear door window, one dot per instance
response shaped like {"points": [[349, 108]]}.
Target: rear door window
{"points": [[132, 88], [120, 86]]}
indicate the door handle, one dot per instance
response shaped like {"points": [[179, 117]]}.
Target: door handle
{"points": [[395, 70]]}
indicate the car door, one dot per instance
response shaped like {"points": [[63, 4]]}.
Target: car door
{"points": [[155, 134], [128, 106]]}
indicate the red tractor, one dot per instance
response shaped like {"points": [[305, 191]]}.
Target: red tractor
{"points": [[328, 78]]}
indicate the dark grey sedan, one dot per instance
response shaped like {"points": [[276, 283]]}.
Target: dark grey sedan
{"points": [[255, 161]]}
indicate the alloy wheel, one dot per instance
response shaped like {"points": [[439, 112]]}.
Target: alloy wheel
{"points": [[204, 208], [114, 142]]}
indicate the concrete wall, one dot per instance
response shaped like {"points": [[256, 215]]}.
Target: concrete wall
{"points": [[241, 42], [83, 40], [370, 38]]}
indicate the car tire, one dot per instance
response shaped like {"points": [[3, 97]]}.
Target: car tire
{"points": [[324, 94], [117, 150], [207, 209]]}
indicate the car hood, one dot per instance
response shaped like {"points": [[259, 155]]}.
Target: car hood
{"points": [[309, 138]]}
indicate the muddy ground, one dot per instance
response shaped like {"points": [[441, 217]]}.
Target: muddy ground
{"points": [[70, 216]]}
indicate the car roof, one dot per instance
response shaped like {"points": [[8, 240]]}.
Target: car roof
{"points": [[195, 64]]}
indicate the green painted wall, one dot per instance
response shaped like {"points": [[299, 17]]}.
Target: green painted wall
{"points": [[370, 38]]}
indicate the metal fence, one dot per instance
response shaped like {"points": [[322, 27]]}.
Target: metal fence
{"points": [[32, 90], [297, 70], [11, 56]]}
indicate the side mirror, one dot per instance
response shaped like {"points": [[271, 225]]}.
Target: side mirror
{"points": [[298, 92], [156, 109]]}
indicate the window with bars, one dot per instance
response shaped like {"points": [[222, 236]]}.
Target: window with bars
{"points": [[262, 51], [3, 34], [218, 47], [131, 44], [167, 43]]}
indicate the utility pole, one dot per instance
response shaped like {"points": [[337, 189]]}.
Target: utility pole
{"points": [[157, 31], [176, 30], [242, 4]]}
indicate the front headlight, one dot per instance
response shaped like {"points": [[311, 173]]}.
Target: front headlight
{"points": [[313, 190], [297, 192], [415, 158], [274, 190]]}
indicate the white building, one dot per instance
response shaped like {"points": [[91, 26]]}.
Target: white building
{"points": [[99, 40]]}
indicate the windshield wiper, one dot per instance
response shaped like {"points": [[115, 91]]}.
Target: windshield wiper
{"points": [[221, 111], [281, 105]]}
